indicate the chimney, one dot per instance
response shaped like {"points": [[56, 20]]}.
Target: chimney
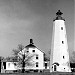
{"points": [[31, 41]]}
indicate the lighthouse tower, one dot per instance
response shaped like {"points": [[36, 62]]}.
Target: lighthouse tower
{"points": [[59, 58]]}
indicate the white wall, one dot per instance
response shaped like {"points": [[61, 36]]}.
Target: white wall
{"points": [[10, 66], [40, 59], [58, 49]]}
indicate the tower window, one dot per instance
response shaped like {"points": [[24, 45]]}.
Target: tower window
{"points": [[62, 42], [63, 57], [36, 64], [33, 50], [36, 56], [61, 28]]}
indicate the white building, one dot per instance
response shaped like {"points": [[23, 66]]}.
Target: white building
{"points": [[38, 56], [9, 66], [59, 50]]}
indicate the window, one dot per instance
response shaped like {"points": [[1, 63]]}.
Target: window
{"points": [[36, 56], [36, 64], [15, 64], [63, 57], [62, 42], [61, 28], [27, 51], [8, 64], [33, 50], [4, 64]]}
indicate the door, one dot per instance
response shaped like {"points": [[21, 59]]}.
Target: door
{"points": [[45, 65], [55, 68]]}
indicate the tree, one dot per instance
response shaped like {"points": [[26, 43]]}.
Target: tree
{"points": [[1, 58], [47, 57], [49, 51], [25, 61], [16, 51], [23, 58], [72, 60]]}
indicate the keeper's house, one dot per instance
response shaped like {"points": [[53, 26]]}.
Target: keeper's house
{"points": [[37, 57]]}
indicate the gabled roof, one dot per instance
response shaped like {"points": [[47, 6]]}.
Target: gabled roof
{"points": [[31, 45], [10, 59]]}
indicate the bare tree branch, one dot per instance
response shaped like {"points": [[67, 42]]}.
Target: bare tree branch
{"points": [[24, 59]]}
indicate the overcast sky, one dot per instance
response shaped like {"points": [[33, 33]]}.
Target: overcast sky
{"points": [[21, 20]]}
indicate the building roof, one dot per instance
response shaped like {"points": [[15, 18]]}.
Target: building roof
{"points": [[31, 45], [9, 59]]}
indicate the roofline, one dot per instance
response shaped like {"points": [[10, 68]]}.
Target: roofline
{"points": [[37, 48], [40, 50]]}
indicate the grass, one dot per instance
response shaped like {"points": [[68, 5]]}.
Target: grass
{"points": [[46, 73]]}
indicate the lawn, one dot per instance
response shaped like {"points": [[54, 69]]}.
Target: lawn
{"points": [[46, 73]]}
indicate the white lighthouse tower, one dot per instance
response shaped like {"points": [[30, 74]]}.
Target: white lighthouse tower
{"points": [[59, 58]]}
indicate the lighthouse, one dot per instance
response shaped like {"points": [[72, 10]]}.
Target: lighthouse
{"points": [[59, 57]]}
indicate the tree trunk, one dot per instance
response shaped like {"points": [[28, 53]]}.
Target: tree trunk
{"points": [[23, 64], [23, 67]]}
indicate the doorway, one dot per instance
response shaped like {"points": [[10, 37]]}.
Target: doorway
{"points": [[45, 65], [55, 67]]}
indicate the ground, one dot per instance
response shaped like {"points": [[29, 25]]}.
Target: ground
{"points": [[46, 73]]}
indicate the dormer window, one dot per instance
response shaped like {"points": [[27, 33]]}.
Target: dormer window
{"points": [[33, 50]]}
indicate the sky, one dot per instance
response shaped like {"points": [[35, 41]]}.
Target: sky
{"points": [[21, 20]]}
